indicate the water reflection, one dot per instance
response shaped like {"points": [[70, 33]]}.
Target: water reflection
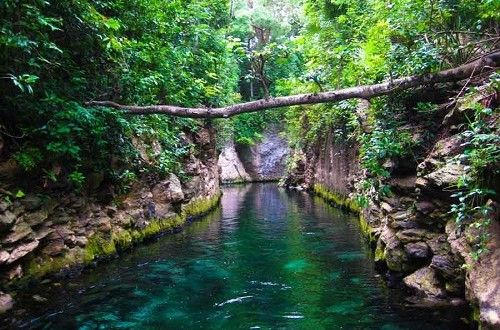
{"points": [[266, 259]]}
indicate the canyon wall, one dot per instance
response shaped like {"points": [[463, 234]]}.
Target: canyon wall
{"points": [[263, 161], [416, 241]]}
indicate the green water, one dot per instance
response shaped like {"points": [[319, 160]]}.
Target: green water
{"points": [[267, 259]]}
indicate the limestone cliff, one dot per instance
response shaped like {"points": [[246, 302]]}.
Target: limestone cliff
{"points": [[263, 161]]}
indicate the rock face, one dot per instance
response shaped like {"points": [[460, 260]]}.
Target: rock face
{"points": [[232, 169], [337, 166], [264, 161], [36, 229], [483, 279]]}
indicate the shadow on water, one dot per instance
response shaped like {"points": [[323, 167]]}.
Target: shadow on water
{"points": [[267, 258]]}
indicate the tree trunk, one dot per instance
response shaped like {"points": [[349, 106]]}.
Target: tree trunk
{"points": [[487, 62]]}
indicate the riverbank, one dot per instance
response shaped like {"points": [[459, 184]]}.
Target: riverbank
{"points": [[55, 232]]}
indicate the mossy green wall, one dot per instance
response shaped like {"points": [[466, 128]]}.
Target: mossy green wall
{"points": [[348, 204], [100, 246]]}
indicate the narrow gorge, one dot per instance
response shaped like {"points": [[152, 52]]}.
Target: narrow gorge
{"points": [[292, 164]]}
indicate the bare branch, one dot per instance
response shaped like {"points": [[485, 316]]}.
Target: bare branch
{"points": [[465, 71]]}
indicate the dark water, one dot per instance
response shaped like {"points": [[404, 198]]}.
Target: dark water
{"points": [[267, 259]]}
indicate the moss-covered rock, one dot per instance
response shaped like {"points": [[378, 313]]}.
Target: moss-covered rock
{"points": [[425, 282], [102, 245], [369, 231], [337, 199]]}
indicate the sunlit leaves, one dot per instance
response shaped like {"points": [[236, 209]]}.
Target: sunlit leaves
{"points": [[24, 82]]}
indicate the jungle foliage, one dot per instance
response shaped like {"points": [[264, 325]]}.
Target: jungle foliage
{"points": [[55, 55], [349, 43]]}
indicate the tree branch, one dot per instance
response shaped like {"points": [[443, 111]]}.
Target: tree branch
{"points": [[465, 71]]}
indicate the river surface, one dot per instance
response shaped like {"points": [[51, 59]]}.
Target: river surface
{"points": [[267, 258]]}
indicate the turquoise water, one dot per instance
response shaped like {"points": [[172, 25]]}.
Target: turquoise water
{"points": [[267, 259]]}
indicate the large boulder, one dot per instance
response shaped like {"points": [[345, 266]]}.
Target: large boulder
{"points": [[4, 257], [425, 283], [21, 251], [36, 218], [231, 167], [168, 191], [418, 251], [55, 248], [413, 235], [438, 182], [443, 149], [7, 219], [18, 232], [395, 256], [446, 176]]}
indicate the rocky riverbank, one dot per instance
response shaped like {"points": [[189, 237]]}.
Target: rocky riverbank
{"points": [[43, 234], [414, 236]]}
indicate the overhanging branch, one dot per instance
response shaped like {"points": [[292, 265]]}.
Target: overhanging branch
{"points": [[491, 60]]}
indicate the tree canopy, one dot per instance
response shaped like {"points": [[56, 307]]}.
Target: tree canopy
{"points": [[58, 57]]}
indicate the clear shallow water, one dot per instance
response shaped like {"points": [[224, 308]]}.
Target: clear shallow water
{"points": [[266, 259]]}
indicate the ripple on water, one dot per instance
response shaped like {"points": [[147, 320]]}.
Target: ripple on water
{"points": [[333, 276], [293, 315], [233, 301], [280, 286], [209, 268]]}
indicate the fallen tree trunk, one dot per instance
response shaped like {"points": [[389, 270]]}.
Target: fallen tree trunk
{"points": [[491, 60]]}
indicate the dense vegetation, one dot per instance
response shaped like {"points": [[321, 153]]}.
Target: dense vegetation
{"points": [[348, 43], [56, 55]]}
